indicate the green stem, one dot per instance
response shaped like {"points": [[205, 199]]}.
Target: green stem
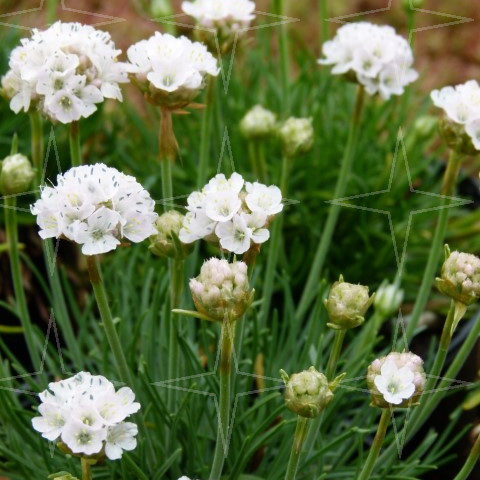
{"points": [[376, 445], [20, 298], [168, 147], [472, 459], [228, 333], [274, 247], [311, 286], [280, 9], [106, 315], [206, 133], [335, 353], [75, 151], [86, 472], [51, 11], [300, 433], [448, 189], [36, 126]]}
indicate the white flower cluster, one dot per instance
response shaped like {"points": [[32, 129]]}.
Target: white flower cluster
{"points": [[64, 70], [166, 64], [95, 206], [235, 212], [87, 414], [226, 15], [381, 60], [461, 271], [462, 106]]}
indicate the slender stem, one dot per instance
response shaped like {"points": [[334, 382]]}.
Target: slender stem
{"points": [[206, 133], [472, 459], [36, 126], [86, 473], [335, 353], [75, 150], [311, 286], [274, 247], [20, 298], [448, 189], [280, 8], [376, 445], [51, 11], [300, 433], [228, 333], [106, 315], [168, 147]]}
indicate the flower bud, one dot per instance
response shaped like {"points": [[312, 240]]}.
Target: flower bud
{"points": [[425, 126], [62, 476], [460, 277], [456, 137], [397, 379], [221, 290], [258, 123], [165, 242], [16, 175], [296, 135], [409, 4], [388, 299], [307, 393], [347, 304]]}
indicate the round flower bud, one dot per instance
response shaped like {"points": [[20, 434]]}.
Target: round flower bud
{"points": [[62, 476], [456, 137], [258, 123], [347, 304], [221, 291], [296, 135], [460, 277], [397, 379], [307, 393], [388, 299], [165, 242], [16, 175], [425, 126]]}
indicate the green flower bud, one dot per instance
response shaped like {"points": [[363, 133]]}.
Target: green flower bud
{"points": [[456, 137], [258, 123], [347, 304], [165, 242], [460, 277], [388, 299], [62, 476], [308, 393], [221, 290], [396, 380], [161, 8], [296, 135], [425, 126], [16, 175]]}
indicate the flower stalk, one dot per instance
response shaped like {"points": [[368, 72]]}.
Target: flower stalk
{"points": [[301, 430], [36, 127], [472, 459], [448, 189], [75, 150], [168, 149], [376, 445], [335, 352], [106, 315], [86, 471], [226, 350], [310, 289]]}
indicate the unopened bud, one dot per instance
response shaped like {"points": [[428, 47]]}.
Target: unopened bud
{"points": [[296, 135], [308, 393], [409, 4], [221, 291], [397, 379], [258, 123], [425, 126], [388, 299], [460, 277], [165, 242], [16, 175], [347, 304], [456, 137], [62, 476]]}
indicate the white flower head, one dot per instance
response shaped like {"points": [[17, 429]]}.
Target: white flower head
{"points": [[224, 15], [397, 379], [65, 71], [86, 414], [233, 212], [170, 71], [95, 206], [380, 59], [461, 105]]}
